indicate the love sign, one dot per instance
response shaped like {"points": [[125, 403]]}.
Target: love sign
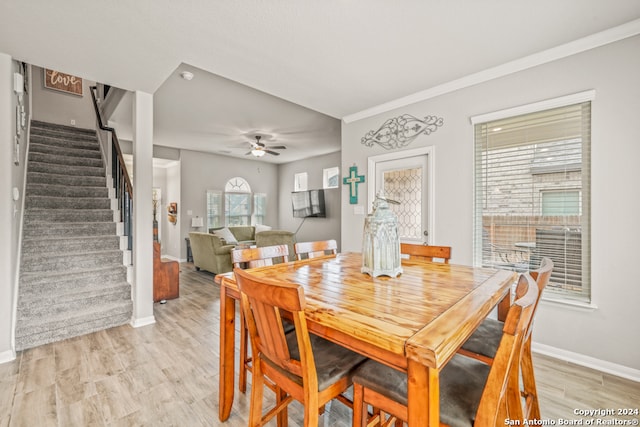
{"points": [[62, 82]]}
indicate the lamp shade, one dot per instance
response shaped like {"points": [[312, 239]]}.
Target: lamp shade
{"points": [[197, 222]]}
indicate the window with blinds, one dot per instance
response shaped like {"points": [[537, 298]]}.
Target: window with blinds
{"points": [[532, 186]]}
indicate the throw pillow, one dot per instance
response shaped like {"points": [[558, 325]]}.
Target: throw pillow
{"points": [[226, 235], [260, 227]]}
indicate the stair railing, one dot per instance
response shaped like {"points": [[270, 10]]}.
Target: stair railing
{"points": [[121, 180]]}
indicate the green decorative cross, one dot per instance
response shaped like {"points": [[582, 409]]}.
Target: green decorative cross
{"points": [[353, 180]]}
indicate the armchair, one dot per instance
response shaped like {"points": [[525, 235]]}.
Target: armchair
{"points": [[209, 253], [277, 237]]}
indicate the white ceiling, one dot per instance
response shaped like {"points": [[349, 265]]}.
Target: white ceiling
{"points": [[338, 58]]}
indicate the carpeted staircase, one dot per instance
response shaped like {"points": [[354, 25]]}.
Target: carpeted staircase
{"points": [[72, 277]]}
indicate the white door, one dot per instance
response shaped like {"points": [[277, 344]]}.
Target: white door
{"points": [[406, 180]]}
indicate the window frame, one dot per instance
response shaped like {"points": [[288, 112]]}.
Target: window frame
{"points": [[234, 186], [584, 296]]}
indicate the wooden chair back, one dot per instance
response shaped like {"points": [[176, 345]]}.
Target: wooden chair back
{"points": [[316, 249], [251, 258], [262, 301], [542, 275], [259, 257], [501, 396], [426, 252]]}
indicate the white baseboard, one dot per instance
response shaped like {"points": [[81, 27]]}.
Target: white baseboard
{"points": [[145, 321], [587, 361], [7, 356]]}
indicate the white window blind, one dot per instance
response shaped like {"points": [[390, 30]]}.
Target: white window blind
{"points": [[532, 182]]}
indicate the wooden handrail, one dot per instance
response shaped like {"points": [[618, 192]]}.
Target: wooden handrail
{"points": [[120, 175], [115, 140]]}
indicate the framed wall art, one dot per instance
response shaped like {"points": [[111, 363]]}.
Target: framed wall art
{"points": [[62, 82]]}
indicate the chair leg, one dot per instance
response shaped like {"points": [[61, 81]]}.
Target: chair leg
{"points": [[359, 411], [529, 383], [311, 416], [244, 338], [257, 389], [283, 415]]}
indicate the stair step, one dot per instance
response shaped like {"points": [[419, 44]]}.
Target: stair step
{"points": [[62, 179], [55, 303], [70, 261], [66, 191], [43, 245], [70, 281], [61, 131], [72, 277], [62, 215], [61, 159], [73, 142], [66, 203], [66, 170], [35, 147], [67, 229], [39, 125], [35, 332]]}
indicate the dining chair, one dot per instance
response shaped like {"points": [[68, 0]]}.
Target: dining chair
{"points": [[316, 249], [302, 366], [251, 258], [483, 343], [426, 252], [471, 392]]}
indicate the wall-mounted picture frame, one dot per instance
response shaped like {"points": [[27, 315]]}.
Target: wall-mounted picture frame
{"points": [[331, 177], [172, 208], [300, 181], [62, 82]]}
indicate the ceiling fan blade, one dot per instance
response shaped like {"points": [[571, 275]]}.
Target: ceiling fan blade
{"points": [[277, 147], [272, 152]]}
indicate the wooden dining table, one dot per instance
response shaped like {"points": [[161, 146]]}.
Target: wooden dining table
{"points": [[414, 322]]}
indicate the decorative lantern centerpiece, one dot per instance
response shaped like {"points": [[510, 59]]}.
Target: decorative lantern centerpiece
{"points": [[381, 243]]}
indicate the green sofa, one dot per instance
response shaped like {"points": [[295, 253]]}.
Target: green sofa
{"points": [[212, 252], [245, 234]]}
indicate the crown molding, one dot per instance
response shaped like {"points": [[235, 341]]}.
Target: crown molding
{"points": [[593, 41]]}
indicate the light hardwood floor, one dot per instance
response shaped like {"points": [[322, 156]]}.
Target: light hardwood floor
{"points": [[166, 374]]}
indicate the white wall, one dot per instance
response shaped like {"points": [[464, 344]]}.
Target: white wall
{"points": [[172, 240], [313, 228], [203, 171], [610, 332], [11, 175], [53, 106]]}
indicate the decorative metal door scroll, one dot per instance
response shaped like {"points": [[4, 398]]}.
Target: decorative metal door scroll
{"points": [[401, 131]]}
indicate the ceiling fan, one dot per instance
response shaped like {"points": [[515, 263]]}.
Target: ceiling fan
{"points": [[258, 149]]}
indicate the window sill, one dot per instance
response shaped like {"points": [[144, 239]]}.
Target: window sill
{"points": [[571, 303]]}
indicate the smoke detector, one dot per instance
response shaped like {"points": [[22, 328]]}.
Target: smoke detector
{"points": [[187, 75]]}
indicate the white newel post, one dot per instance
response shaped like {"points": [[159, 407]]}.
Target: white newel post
{"points": [[142, 210]]}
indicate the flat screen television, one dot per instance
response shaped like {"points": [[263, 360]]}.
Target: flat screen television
{"points": [[308, 204]]}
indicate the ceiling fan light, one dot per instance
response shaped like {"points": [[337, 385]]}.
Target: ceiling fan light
{"points": [[258, 153]]}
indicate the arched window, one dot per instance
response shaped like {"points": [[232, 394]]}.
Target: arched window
{"points": [[241, 206], [237, 202]]}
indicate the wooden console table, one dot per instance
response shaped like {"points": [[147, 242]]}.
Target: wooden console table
{"points": [[166, 277]]}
